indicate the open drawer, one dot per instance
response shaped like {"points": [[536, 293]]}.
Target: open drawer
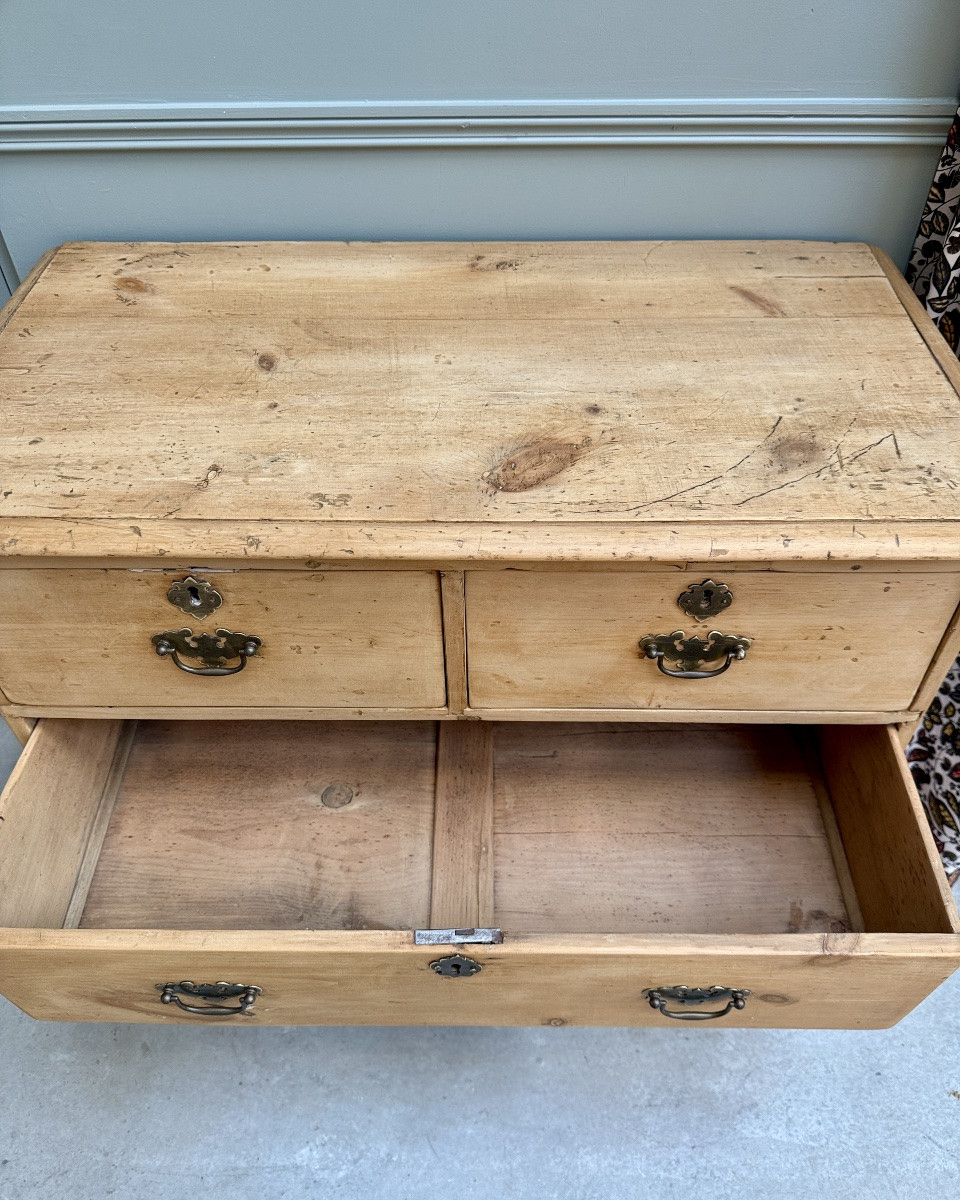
{"points": [[790, 866]]}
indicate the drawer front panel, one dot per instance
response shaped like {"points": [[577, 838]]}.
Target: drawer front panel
{"points": [[839, 641], [846, 981], [350, 639]]}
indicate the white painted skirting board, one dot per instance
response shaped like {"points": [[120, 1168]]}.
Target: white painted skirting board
{"points": [[706, 121]]}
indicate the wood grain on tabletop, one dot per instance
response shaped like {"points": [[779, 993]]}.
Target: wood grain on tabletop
{"points": [[584, 383]]}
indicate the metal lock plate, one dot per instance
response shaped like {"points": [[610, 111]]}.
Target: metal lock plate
{"points": [[457, 937]]}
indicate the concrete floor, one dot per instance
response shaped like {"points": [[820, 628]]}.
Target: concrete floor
{"points": [[113, 1110]]}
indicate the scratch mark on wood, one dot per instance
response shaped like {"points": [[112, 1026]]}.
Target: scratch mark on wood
{"points": [[762, 302], [130, 262], [703, 483], [835, 459]]}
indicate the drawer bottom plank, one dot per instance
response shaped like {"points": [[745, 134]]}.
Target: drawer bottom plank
{"points": [[270, 826], [462, 892]]}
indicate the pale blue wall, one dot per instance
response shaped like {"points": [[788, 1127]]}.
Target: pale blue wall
{"points": [[489, 118]]}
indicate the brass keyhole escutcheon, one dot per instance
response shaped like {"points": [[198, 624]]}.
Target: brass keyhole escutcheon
{"points": [[195, 597], [707, 599], [456, 966]]}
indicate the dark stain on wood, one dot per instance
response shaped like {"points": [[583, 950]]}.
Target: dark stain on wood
{"points": [[796, 450], [337, 795], [267, 361], [214, 471], [801, 921], [133, 286], [535, 463], [480, 263], [762, 302]]}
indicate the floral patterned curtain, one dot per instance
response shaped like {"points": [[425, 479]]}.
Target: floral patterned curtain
{"points": [[934, 274]]}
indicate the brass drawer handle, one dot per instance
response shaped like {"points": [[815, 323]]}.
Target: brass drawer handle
{"points": [[244, 993], [658, 998], [212, 649], [690, 653]]}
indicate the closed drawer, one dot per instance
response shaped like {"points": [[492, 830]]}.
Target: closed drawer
{"points": [[349, 639], [789, 866], [830, 642]]}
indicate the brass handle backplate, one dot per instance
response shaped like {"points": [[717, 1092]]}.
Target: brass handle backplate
{"points": [[244, 993], [214, 650], [691, 653], [689, 997]]}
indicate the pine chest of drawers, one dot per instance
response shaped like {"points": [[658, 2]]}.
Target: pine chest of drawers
{"points": [[473, 633]]}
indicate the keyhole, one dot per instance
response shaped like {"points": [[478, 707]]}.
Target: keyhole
{"points": [[706, 601], [455, 968], [194, 594]]}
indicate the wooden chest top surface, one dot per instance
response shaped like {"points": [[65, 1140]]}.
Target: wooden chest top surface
{"points": [[515, 400]]}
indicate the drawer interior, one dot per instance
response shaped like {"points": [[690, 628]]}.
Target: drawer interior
{"points": [[534, 828]]}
